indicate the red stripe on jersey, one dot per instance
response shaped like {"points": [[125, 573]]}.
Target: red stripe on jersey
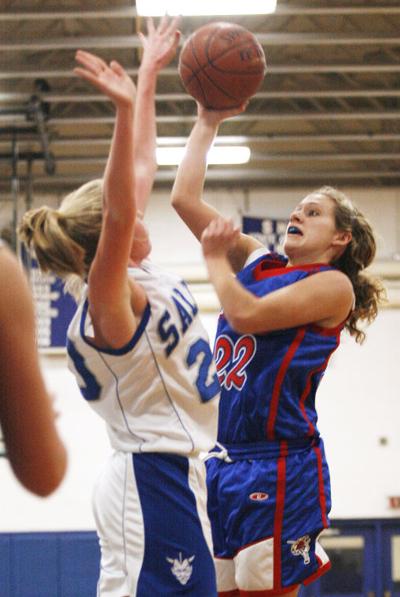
{"points": [[307, 388], [321, 487], [278, 382], [234, 593], [260, 272], [278, 520], [328, 331]]}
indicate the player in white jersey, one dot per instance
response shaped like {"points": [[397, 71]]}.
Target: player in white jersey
{"points": [[139, 352], [163, 378]]}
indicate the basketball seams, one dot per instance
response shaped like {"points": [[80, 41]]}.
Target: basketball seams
{"points": [[214, 85], [224, 52], [219, 69], [194, 75], [203, 69], [211, 61]]}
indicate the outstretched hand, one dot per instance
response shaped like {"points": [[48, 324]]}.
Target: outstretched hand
{"points": [[111, 79], [161, 42], [215, 117], [220, 236]]}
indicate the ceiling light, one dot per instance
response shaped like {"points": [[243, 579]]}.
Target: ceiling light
{"points": [[172, 156], [204, 7]]}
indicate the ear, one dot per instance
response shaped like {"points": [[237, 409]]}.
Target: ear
{"points": [[342, 238]]}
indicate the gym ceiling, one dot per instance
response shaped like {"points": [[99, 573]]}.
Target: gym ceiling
{"points": [[328, 111]]}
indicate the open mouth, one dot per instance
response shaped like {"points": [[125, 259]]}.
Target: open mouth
{"points": [[294, 230]]}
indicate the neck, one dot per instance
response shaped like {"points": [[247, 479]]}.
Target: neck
{"points": [[325, 257]]}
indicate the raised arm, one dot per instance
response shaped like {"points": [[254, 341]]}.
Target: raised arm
{"points": [[159, 48], [113, 299], [187, 192], [34, 448], [308, 301]]}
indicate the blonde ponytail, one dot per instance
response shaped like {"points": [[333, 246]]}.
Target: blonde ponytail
{"points": [[64, 241]]}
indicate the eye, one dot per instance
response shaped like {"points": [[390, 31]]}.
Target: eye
{"points": [[313, 212]]}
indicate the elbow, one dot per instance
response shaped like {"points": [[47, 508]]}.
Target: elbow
{"points": [[55, 477], [177, 201], [240, 323], [245, 317], [44, 480]]}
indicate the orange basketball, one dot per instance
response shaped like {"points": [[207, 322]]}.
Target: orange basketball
{"points": [[221, 65]]}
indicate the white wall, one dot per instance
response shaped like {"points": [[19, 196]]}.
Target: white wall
{"points": [[358, 399]]}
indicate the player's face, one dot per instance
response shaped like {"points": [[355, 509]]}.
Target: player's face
{"points": [[311, 235], [141, 245]]}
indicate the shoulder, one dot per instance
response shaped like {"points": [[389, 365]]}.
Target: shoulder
{"points": [[333, 288], [239, 256], [335, 278], [330, 281]]}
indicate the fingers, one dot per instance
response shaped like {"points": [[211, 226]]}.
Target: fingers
{"points": [[91, 62], [177, 37], [222, 229], [166, 27], [163, 24], [173, 26], [150, 25], [117, 68]]}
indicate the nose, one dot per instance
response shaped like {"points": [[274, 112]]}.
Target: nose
{"points": [[295, 216]]}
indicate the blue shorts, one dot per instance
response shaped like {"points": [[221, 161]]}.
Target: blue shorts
{"points": [[151, 518], [267, 508]]}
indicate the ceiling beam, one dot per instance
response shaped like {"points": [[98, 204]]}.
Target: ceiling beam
{"points": [[133, 41], [270, 157], [283, 69], [220, 140], [181, 97], [250, 117], [225, 176]]}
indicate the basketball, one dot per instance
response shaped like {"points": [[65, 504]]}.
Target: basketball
{"points": [[221, 65]]}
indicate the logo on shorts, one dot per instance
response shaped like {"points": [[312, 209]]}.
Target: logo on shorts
{"points": [[259, 496], [301, 547], [181, 569]]}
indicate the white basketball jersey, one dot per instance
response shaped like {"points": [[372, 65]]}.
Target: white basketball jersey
{"points": [[159, 393]]}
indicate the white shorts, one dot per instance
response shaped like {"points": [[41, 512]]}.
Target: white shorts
{"points": [[154, 533]]}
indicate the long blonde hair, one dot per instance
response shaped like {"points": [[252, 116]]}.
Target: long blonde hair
{"points": [[64, 240], [359, 254]]}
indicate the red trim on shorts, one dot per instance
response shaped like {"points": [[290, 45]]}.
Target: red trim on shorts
{"points": [[321, 487], [267, 592], [278, 519], [234, 593], [317, 574], [279, 379]]}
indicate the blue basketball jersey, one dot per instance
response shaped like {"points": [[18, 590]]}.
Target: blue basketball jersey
{"points": [[269, 381]]}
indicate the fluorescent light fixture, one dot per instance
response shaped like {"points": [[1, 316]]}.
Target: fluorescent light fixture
{"points": [[172, 156], [157, 8]]}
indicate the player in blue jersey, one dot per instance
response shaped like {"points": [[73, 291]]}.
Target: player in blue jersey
{"points": [[282, 315], [138, 350]]}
